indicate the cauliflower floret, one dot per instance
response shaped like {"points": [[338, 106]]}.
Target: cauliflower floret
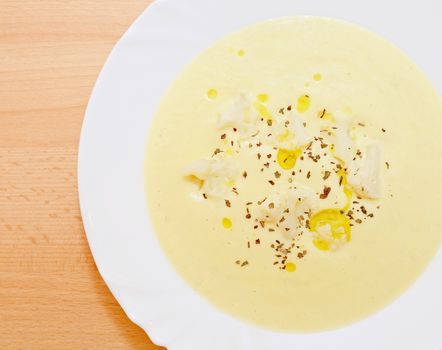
{"points": [[286, 209], [241, 115], [364, 173], [214, 176]]}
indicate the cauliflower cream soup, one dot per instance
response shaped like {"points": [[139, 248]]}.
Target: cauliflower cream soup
{"points": [[293, 173]]}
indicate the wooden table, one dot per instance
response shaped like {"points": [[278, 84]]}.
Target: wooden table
{"points": [[51, 295]]}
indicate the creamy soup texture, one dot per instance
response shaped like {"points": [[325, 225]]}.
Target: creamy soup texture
{"points": [[293, 173]]}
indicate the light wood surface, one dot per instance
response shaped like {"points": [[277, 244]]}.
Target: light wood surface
{"points": [[51, 295]]}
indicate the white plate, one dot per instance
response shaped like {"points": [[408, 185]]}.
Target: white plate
{"points": [[145, 61]]}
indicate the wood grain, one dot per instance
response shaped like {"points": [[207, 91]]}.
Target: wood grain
{"points": [[51, 295]]}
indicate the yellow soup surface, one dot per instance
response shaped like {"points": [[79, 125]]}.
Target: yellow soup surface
{"points": [[293, 173]]}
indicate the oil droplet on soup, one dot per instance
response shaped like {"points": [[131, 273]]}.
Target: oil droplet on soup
{"points": [[212, 94], [317, 76], [303, 103], [287, 158], [290, 267], [227, 223]]}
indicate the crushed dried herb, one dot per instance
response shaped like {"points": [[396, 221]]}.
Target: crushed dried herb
{"points": [[325, 192]]}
